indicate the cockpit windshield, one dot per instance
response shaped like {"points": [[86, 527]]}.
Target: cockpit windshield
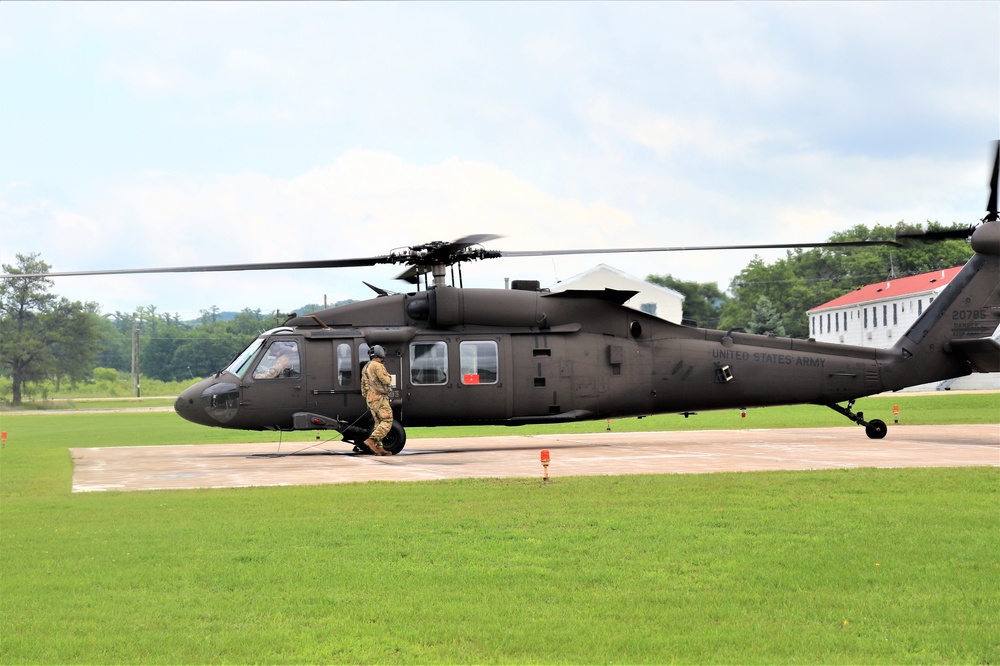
{"points": [[241, 363]]}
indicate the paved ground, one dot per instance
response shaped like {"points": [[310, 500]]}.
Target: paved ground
{"points": [[235, 465]]}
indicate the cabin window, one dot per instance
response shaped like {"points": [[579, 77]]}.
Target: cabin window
{"points": [[429, 362], [480, 362], [280, 361], [344, 373]]}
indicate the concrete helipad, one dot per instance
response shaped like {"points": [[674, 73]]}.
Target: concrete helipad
{"points": [[299, 463]]}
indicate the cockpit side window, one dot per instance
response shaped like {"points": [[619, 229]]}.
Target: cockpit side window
{"points": [[241, 363], [280, 361]]}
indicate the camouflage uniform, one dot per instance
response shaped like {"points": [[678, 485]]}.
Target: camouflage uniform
{"points": [[375, 384]]}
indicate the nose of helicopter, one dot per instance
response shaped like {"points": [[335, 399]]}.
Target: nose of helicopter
{"points": [[210, 402], [188, 405]]}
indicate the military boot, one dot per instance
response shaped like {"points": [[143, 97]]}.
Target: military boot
{"points": [[376, 447]]}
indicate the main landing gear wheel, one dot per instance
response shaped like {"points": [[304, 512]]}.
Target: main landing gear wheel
{"points": [[396, 439], [875, 429]]}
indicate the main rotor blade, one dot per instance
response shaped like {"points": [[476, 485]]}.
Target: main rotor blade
{"points": [[475, 239], [413, 273], [221, 268], [693, 248], [936, 234], [420, 257]]}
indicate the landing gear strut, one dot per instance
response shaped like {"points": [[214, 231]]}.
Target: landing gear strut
{"points": [[353, 434], [875, 429]]}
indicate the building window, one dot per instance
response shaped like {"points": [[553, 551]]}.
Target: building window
{"points": [[885, 315], [813, 323], [836, 321], [866, 317], [845, 321], [829, 329], [894, 321], [874, 316], [920, 306]]}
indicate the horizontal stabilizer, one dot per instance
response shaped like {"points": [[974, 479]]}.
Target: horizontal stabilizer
{"points": [[982, 353]]}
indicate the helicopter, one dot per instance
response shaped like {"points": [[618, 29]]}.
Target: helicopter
{"points": [[526, 355]]}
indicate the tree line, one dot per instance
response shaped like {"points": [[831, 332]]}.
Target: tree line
{"points": [[774, 298], [45, 338]]}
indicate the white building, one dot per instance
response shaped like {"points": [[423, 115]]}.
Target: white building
{"points": [[877, 315], [652, 298]]}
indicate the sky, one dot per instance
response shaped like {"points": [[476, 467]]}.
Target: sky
{"points": [[156, 134]]}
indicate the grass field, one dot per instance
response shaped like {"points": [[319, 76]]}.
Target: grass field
{"points": [[858, 566]]}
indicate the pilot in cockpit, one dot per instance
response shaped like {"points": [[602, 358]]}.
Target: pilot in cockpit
{"points": [[281, 360]]}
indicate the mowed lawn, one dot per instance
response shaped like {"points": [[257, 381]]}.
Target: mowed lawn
{"points": [[845, 566]]}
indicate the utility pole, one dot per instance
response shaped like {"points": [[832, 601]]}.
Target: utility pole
{"points": [[136, 389]]}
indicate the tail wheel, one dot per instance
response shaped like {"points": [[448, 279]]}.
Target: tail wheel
{"points": [[396, 439], [876, 429]]}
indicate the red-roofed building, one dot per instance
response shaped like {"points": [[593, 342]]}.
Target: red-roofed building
{"points": [[876, 315]]}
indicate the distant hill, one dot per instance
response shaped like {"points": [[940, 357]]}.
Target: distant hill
{"points": [[309, 308]]}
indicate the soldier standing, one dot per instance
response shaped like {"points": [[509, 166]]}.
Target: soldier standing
{"points": [[375, 384]]}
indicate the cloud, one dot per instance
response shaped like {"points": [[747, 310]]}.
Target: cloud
{"points": [[198, 133], [363, 204]]}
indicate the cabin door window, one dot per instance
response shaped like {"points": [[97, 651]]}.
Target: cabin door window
{"points": [[480, 361]]}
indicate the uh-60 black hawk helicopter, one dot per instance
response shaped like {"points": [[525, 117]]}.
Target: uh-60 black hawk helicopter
{"points": [[525, 355]]}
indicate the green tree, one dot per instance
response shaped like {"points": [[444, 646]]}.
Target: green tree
{"points": [[74, 338], [22, 331], [247, 323], [789, 293], [765, 320], [804, 279], [205, 350], [115, 334], [40, 336], [703, 301], [209, 316], [157, 355]]}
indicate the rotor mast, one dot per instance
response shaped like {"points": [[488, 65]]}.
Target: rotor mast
{"points": [[438, 271]]}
